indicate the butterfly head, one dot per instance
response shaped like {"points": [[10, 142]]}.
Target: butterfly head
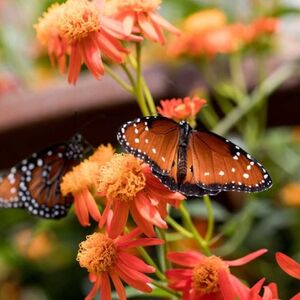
{"points": [[78, 148]]}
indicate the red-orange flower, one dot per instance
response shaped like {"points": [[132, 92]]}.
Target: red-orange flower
{"points": [[181, 109], [288, 265], [107, 259], [130, 187], [50, 37], [81, 179], [207, 278], [140, 16], [80, 29]]}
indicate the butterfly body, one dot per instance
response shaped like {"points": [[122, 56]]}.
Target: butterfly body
{"points": [[190, 161], [34, 183]]}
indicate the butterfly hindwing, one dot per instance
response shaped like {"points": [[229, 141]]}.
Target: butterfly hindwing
{"points": [[36, 180]]}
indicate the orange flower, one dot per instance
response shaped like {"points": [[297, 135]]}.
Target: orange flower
{"points": [[81, 25], [208, 277], [265, 25], [140, 16], [181, 109], [130, 187], [107, 258], [290, 194], [81, 179], [49, 35]]}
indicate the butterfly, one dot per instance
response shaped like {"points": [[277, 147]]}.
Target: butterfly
{"points": [[193, 162], [34, 183]]}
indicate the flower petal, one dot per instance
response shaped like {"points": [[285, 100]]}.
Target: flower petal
{"points": [[187, 258], [118, 285], [135, 263], [81, 210], [74, 64], [296, 297], [148, 211], [147, 27], [240, 289], [226, 288], [245, 259], [288, 265], [91, 205], [141, 243], [156, 18], [105, 287], [94, 290], [118, 222], [128, 22]]}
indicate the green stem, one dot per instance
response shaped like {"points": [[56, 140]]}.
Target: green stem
{"points": [[198, 238], [139, 81], [165, 288], [210, 218], [259, 94], [119, 80], [162, 250], [178, 227], [149, 98], [129, 75], [151, 262]]}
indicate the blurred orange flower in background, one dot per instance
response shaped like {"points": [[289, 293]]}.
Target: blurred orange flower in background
{"points": [[140, 16], [290, 194], [207, 33]]}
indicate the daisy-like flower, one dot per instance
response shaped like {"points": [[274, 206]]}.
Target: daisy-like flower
{"points": [[81, 27], [81, 179], [49, 36], [108, 259], [208, 277], [288, 265], [140, 16], [181, 109], [130, 187]]}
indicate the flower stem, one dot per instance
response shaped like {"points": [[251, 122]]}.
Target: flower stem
{"points": [[151, 262], [139, 82], [119, 80], [198, 238], [178, 227], [165, 288], [260, 94], [162, 250], [149, 98], [210, 218]]}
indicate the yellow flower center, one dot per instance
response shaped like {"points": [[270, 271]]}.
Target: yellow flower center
{"points": [[135, 5], [81, 177], [97, 253], [205, 277], [81, 17], [121, 178], [47, 26]]}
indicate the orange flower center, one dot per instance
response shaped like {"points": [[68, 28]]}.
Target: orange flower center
{"points": [[205, 277], [47, 26], [97, 253], [121, 178], [136, 5], [81, 17]]}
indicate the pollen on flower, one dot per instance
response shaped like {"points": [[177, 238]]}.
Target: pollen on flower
{"points": [[97, 253], [47, 25], [136, 5], [79, 178], [102, 154], [80, 18], [206, 275], [121, 178]]}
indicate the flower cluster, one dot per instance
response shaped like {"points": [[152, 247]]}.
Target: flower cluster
{"points": [[207, 33], [83, 31]]}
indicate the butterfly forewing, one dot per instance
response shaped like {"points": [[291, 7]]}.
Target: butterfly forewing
{"points": [[36, 180], [154, 140], [219, 164]]}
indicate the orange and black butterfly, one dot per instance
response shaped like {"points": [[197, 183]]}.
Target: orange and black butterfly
{"points": [[34, 183], [193, 162]]}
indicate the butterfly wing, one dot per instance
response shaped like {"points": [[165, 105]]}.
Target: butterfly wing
{"points": [[35, 182], [216, 164], [154, 140]]}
